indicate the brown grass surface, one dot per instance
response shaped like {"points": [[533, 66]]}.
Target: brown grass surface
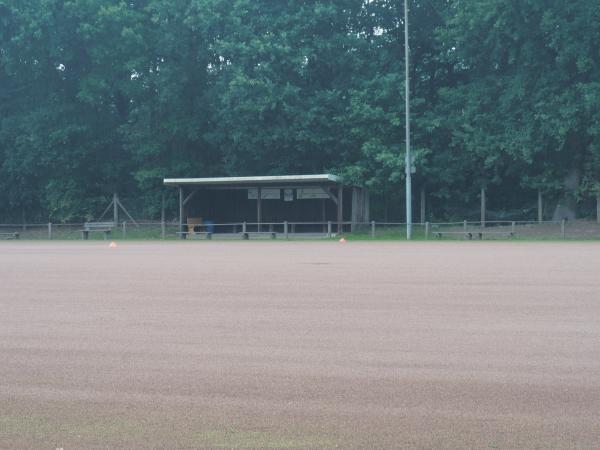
{"points": [[299, 345]]}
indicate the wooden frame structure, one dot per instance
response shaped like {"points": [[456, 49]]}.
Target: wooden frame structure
{"points": [[332, 185]]}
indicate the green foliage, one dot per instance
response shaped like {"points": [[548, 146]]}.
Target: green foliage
{"points": [[99, 96]]}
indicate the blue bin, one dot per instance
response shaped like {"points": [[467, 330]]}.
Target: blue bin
{"points": [[210, 226]]}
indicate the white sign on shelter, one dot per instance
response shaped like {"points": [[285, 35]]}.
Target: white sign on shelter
{"points": [[265, 194], [311, 193]]}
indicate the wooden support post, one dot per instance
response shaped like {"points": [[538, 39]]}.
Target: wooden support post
{"points": [[126, 212], [540, 207], [162, 217], [483, 207], [426, 230], [285, 230], [115, 209], [355, 212], [323, 213], [181, 213], [259, 208], [329, 228], [373, 229], [423, 205], [50, 230], [340, 210], [563, 229]]}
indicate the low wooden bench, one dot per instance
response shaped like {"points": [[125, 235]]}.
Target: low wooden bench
{"points": [[195, 234], [97, 227], [247, 234], [471, 234], [506, 234], [192, 223], [10, 235]]}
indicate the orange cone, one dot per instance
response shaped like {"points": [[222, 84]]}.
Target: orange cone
{"points": [[113, 244]]}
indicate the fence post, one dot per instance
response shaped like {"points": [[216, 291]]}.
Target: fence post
{"points": [[372, 229], [483, 206], [329, 228], [124, 228], [426, 230], [244, 227], [563, 231], [465, 226], [513, 227], [50, 230], [163, 229], [285, 229]]}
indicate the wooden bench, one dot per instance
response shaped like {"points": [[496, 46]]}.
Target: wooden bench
{"points": [[506, 234], [195, 234], [192, 223], [247, 234], [10, 235], [99, 227], [471, 234]]}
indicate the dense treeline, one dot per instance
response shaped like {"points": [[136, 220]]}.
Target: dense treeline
{"points": [[98, 96]]}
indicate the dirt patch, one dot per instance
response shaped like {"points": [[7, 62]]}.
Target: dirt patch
{"points": [[299, 345]]}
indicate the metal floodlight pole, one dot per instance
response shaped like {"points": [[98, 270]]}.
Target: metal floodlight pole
{"points": [[408, 156]]}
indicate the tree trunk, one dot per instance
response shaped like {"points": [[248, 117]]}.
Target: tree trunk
{"points": [[567, 204], [423, 205]]}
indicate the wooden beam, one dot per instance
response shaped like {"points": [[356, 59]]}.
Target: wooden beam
{"points": [[106, 210], [259, 208], [189, 197], [162, 216], [126, 212], [181, 212], [115, 208], [331, 195]]}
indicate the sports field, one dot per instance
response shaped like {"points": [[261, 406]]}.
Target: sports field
{"points": [[299, 345]]}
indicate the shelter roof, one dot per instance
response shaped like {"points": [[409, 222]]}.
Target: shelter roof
{"points": [[281, 180]]}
